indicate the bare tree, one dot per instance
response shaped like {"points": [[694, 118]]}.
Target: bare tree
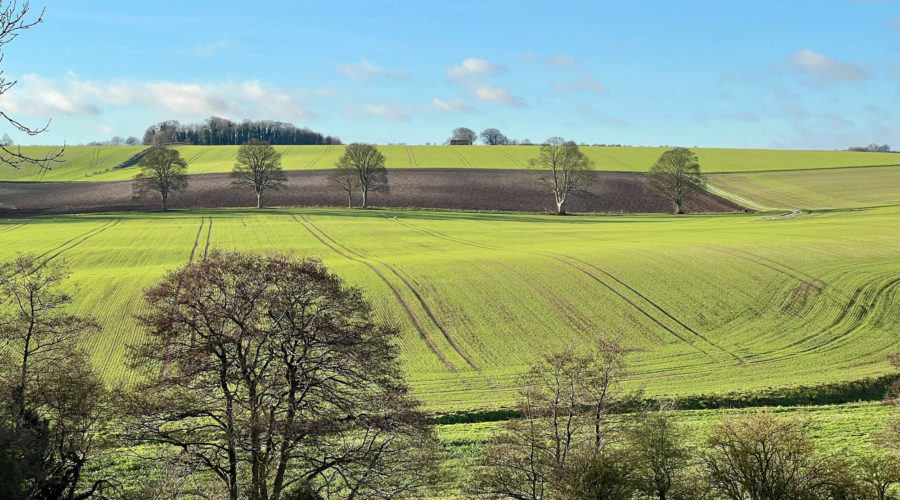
{"points": [[132, 141], [660, 451], [344, 177], [560, 436], [368, 164], [676, 177], [56, 406], [258, 166], [493, 137], [562, 169], [12, 22], [464, 134], [162, 171], [760, 456], [271, 374]]}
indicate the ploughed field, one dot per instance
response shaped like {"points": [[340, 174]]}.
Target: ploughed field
{"points": [[464, 189], [99, 163], [715, 303]]}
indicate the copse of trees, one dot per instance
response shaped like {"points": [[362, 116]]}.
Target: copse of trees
{"points": [[217, 131], [493, 137], [872, 148]]}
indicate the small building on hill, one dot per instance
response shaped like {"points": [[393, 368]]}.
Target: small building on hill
{"points": [[460, 142]]}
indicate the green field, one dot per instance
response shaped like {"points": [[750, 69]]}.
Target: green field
{"points": [[710, 303], [816, 189], [93, 163]]}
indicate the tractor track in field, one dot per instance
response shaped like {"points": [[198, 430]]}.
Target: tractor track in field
{"points": [[208, 234], [569, 263], [412, 159], [317, 160], [464, 161], [198, 155], [459, 350], [12, 227], [513, 158], [74, 242], [196, 240], [334, 247]]}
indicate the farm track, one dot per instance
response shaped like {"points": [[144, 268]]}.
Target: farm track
{"points": [[313, 162], [11, 227], [514, 160], [459, 350], [74, 242], [333, 246], [564, 260], [461, 158], [196, 240], [412, 159], [208, 234]]}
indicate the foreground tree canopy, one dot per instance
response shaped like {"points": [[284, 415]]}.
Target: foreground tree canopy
{"points": [[162, 171], [273, 375], [676, 177]]}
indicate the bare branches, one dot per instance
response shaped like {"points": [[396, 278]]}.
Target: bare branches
{"points": [[562, 169], [12, 23]]}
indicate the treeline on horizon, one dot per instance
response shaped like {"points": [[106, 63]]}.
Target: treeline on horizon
{"points": [[216, 131]]}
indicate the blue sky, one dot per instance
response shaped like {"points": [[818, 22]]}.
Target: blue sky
{"points": [[779, 74]]}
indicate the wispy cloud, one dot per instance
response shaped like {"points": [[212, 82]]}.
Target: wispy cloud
{"points": [[212, 48], [386, 111], [824, 69], [564, 63], [365, 71], [451, 106], [38, 96], [473, 67], [585, 83]]}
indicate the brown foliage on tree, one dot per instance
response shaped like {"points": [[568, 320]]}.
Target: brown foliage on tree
{"points": [[273, 375]]}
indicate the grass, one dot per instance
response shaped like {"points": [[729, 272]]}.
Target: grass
{"points": [[816, 189], [711, 304], [92, 163]]}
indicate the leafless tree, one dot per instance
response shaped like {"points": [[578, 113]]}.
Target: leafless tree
{"points": [[464, 134], [493, 137], [162, 171], [56, 408], [368, 164], [564, 427], [132, 141], [12, 22], [258, 166], [562, 169], [676, 177], [344, 177], [760, 456], [271, 374]]}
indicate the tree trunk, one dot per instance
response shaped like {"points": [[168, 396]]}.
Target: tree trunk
{"points": [[164, 205], [561, 207], [678, 206], [365, 200], [259, 199], [349, 200]]}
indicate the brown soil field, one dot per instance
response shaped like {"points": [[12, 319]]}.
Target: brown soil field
{"points": [[512, 190]]}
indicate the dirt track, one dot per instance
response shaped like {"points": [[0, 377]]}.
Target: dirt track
{"points": [[432, 188]]}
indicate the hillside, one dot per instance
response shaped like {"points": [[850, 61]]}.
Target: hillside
{"points": [[89, 163]]}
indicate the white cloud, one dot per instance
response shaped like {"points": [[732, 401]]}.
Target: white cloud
{"points": [[38, 96], [586, 84], [451, 106], [365, 70], [212, 48], [824, 69], [490, 93], [390, 112], [472, 68]]}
